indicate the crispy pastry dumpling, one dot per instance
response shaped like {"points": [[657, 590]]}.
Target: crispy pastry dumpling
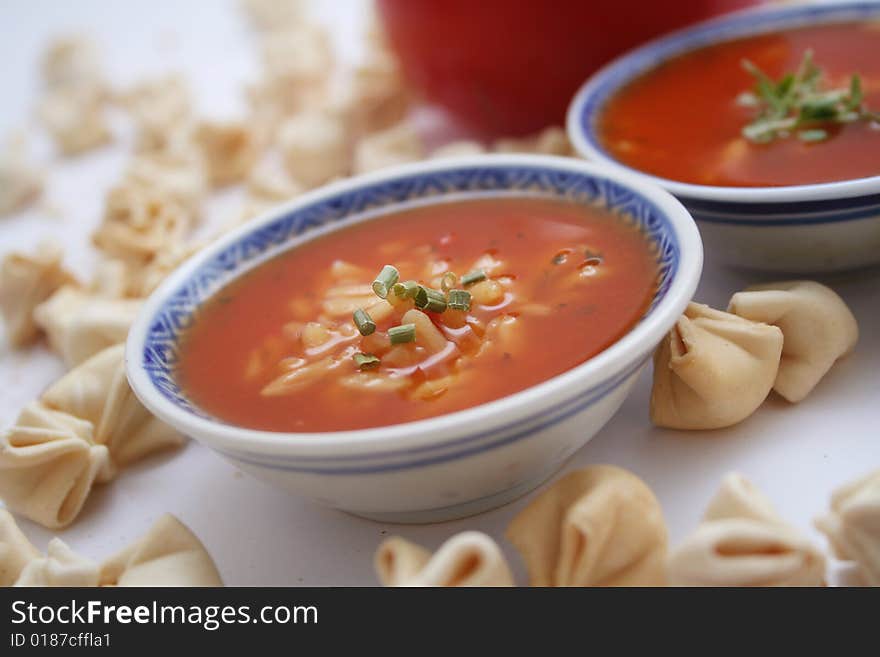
{"points": [[72, 61], [397, 561], [60, 567], [161, 109], [552, 140], [269, 181], [396, 145], [74, 117], [742, 552], [743, 542], [467, 559], [25, 282], [315, 147], [272, 14], [378, 96], [98, 391], [72, 107], [818, 328], [48, 463], [79, 324], [713, 369], [600, 526], [176, 173], [739, 498], [229, 150], [853, 525], [458, 149], [21, 183], [169, 554], [16, 550], [140, 221]]}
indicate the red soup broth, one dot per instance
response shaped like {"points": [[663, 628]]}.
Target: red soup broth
{"points": [[274, 350], [681, 120]]}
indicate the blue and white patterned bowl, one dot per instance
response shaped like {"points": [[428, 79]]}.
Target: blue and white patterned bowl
{"points": [[802, 228], [456, 464]]}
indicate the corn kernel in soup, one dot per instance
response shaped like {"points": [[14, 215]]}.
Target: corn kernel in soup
{"points": [[279, 349]]}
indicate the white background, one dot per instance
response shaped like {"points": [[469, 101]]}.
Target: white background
{"points": [[263, 536]]}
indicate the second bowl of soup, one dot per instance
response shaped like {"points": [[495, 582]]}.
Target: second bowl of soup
{"points": [[766, 124], [424, 343]]}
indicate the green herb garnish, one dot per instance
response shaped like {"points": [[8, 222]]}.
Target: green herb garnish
{"points": [[429, 299], [402, 334], [815, 134], [799, 105], [448, 281], [364, 322], [366, 361], [385, 281], [472, 277], [459, 300], [405, 290]]}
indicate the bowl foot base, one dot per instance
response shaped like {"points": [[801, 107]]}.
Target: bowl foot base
{"points": [[463, 510]]}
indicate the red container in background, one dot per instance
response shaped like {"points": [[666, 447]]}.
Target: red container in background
{"points": [[510, 67]]}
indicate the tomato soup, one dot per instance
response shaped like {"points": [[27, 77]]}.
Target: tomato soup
{"points": [[517, 291], [682, 121]]}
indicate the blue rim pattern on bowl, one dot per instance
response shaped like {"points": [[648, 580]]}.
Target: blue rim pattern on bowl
{"points": [[159, 354], [812, 204]]}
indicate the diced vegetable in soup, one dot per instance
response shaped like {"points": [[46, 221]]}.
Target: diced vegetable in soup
{"points": [[796, 107], [418, 313]]}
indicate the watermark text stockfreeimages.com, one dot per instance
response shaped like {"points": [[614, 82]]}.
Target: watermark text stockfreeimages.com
{"points": [[210, 617]]}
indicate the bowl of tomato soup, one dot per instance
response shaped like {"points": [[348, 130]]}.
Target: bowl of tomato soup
{"points": [[765, 124], [423, 343]]}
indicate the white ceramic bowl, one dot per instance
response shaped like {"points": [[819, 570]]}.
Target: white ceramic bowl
{"points": [[456, 464], [801, 228]]}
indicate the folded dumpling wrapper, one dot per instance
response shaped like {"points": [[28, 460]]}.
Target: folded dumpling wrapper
{"points": [[737, 497], [16, 550], [169, 554], [97, 390], [714, 369], [742, 541], [26, 281], [818, 327], [853, 525], [397, 561], [79, 324], [60, 567], [21, 183], [140, 221], [600, 526], [467, 559], [48, 464], [398, 144]]}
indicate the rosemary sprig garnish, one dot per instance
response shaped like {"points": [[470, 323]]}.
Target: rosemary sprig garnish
{"points": [[798, 104]]}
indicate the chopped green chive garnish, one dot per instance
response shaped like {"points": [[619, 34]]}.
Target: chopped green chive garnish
{"points": [[472, 277], [448, 281], [366, 361], [797, 104], [364, 322], [428, 299], [385, 281], [406, 289], [812, 135], [459, 300], [401, 334]]}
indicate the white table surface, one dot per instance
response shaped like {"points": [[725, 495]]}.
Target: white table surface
{"points": [[259, 535]]}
